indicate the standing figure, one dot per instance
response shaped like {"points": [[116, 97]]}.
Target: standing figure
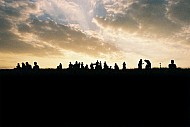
{"points": [[116, 67], [97, 65], [23, 66], [82, 65], [70, 65], [105, 66], [140, 64], [124, 66]]}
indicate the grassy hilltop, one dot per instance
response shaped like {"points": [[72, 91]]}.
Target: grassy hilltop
{"points": [[131, 97]]}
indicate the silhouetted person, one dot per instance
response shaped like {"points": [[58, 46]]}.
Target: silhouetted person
{"points": [[140, 64], [82, 65], [23, 66], [70, 65], [148, 64], [86, 67], [116, 67], [28, 66], [18, 66], [36, 66], [172, 65], [105, 65], [59, 67], [97, 65], [100, 65], [91, 66], [124, 66], [76, 65]]}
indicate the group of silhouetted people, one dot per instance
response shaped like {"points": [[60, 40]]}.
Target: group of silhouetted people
{"points": [[148, 64], [98, 65], [171, 66], [27, 67], [93, 66]]}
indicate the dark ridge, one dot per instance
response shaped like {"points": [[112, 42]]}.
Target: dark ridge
{"points": [[105, 98]]}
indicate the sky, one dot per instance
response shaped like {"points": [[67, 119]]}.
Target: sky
{"points": [[116, 31]]}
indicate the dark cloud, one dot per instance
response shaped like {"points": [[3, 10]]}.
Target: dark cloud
{"points": [[9, 11], [70, 39], [152, 16], [147, 16], [5, 25], [10, 41], [180, 11], [14, 8], [23, 27]]}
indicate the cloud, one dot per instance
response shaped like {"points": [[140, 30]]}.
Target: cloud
{"points": [[156, 18], [35, 27], [80, 12], [69, 39], [179, 11], [10, 17]]}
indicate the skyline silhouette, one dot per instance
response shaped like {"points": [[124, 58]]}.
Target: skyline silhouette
{"points": [[97, 65]]}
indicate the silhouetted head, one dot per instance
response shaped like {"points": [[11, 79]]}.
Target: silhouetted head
{"points": [[172, 61], [35, 63], [147, 61]]}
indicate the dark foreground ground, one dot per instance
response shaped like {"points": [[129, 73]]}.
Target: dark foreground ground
{"points": [[129, 98]]}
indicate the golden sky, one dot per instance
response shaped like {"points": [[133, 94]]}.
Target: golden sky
{"points": [[116, 31]]}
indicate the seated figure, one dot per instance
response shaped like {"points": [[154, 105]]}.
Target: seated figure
{"points": [[36, 66], [172, 65]]}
